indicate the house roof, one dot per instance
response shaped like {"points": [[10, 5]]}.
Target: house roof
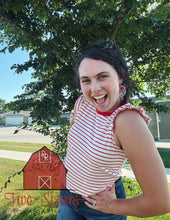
{"points": [[12, 113]]}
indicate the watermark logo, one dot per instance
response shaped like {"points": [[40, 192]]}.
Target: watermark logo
{"points": [[48, 199], [44, 170], [45, 156], [44, 182]]}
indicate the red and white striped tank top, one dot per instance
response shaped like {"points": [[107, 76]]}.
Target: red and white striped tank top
{"points": [[93, 160]]}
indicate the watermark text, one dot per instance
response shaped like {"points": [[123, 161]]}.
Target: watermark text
{"points": [[48, 199]]}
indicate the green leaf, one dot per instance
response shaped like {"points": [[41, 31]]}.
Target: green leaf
{"points": [[54, 32], [16, 131]]}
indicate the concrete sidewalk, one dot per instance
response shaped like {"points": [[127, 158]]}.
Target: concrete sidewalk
{"points": [[129, 173], [15, 155], [162, 146], [25, 156]]}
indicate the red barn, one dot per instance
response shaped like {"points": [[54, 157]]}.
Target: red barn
{"points": [[44, 170]]}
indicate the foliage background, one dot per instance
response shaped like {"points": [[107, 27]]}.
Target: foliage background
{"points": [[53, 33]]}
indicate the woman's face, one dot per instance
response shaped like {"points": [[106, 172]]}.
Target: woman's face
{"points": [[100, 84]]}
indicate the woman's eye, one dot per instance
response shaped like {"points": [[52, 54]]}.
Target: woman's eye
{"points": [[102, 77], [85, 81]]}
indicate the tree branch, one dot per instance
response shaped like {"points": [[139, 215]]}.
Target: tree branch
{"points": [[147, 46], [122, 5], [151, 57], [57, 28], [4, 16], [120, 20]]}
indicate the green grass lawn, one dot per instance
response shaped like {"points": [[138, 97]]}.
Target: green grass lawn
{"points": [[165, 155], [23, 147], [43, 207], [18, 204]]}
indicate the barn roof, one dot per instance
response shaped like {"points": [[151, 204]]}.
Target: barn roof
{"points": [[44, 147]]}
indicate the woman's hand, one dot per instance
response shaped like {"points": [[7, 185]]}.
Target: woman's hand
{"points": [[103, 201]]}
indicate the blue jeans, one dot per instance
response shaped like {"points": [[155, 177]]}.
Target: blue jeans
{"points": [[72, 206]]}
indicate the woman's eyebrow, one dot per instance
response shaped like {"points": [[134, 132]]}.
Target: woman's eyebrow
{"points": [[85, 77], [102, 73]]}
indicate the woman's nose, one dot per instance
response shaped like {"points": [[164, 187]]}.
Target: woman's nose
{"points": [[95, 86]]}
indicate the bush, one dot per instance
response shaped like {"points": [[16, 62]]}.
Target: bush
{"points": [[59, 140]]}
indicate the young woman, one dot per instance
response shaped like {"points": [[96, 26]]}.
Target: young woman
{"points": [[106, 131]]}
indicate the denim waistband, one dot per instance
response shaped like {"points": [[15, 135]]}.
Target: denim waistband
{"points": [[77, 203], [74, 199]]}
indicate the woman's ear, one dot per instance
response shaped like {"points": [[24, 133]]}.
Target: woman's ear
{"points": [[120, 81]]}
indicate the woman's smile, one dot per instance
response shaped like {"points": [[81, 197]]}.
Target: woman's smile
{"points": [[100, 84], [100, 99]]}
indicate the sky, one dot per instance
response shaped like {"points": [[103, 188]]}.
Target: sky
{"points": [[10, 82]]}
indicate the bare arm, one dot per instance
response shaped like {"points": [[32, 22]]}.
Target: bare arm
{"points": [[137, 142], [147, 165]]}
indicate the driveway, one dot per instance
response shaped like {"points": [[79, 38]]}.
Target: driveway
{"points": [[24, 135]]}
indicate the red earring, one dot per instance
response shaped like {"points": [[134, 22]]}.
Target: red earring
{"points": [[122, 91]]}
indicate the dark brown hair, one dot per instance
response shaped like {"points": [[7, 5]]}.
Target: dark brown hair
{"points": [[111, 55]]}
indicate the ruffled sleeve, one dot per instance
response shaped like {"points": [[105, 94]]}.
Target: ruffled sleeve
{"points": [[141, 110]]}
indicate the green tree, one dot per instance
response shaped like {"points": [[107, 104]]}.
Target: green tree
{"points": [[3, 107], [54, 31]]}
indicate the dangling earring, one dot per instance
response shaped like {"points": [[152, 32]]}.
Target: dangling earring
{"points": [[122, 91]]}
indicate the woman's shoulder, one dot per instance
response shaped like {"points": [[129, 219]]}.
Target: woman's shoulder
{"points": [[128, 112], [127, 116], [130, 124]]}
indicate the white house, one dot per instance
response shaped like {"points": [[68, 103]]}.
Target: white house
{"points": [[16, 118]]}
